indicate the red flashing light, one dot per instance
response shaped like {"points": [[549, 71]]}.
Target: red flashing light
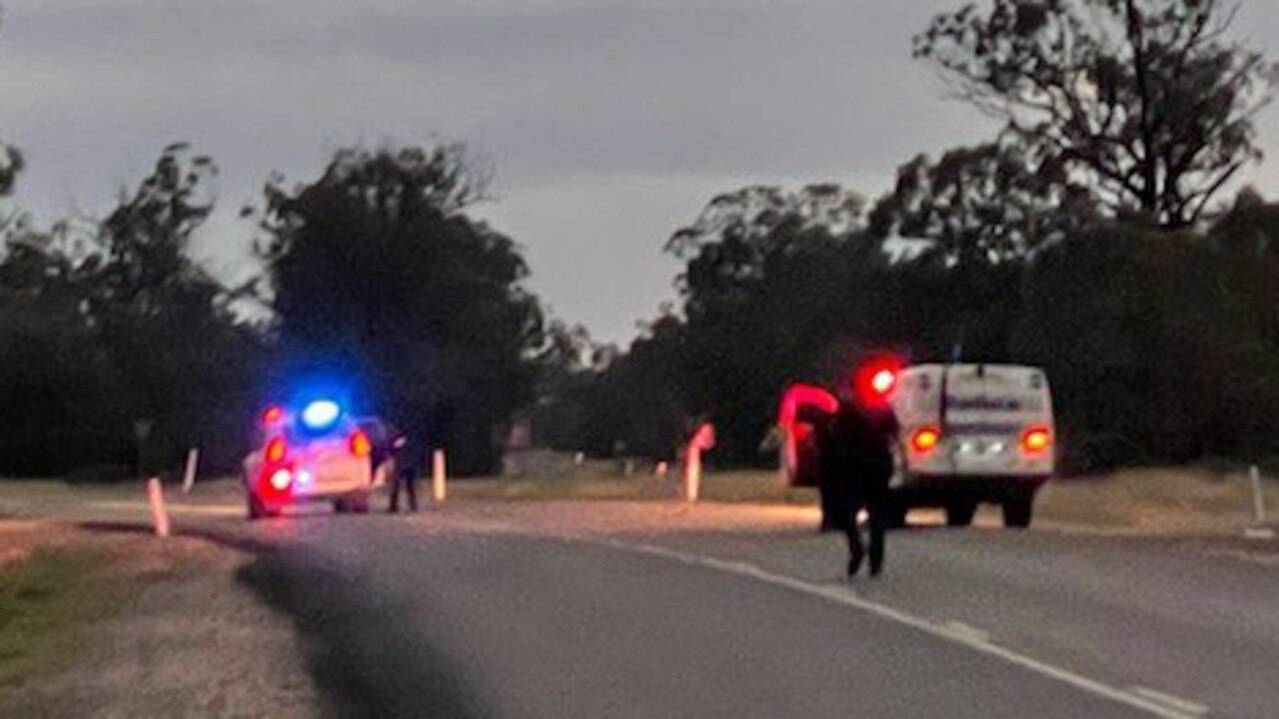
{"points": [[875, 382], [1037, 440], [360, 444], [925, 439], [275, 450], [883, 381], [272, 416]]}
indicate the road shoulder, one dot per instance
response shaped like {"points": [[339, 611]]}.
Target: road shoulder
{"points": [[178, 637]]}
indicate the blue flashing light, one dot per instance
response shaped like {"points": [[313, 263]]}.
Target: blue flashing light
{"points": [[321, 414]]}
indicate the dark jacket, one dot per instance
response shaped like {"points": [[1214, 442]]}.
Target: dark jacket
{"points": [[855, 445], [415, 452]]}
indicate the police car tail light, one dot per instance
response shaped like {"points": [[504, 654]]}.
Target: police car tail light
{"points": [[360, 444], [280, 479], [925, 439], [272, 416], [1037, 440], [276, 450]]}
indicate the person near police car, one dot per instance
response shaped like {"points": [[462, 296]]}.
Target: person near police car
{"points": [[411, 453]]}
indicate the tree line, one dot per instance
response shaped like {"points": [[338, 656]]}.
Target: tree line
{"points": [[1099, 235], [376, 285], [1094, 236]]}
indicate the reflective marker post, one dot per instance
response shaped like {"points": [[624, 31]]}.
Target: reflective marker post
{"points": [[693, 473], [439, 478], [188, 474], [703, 439], [1259, 528], [159, 515]]}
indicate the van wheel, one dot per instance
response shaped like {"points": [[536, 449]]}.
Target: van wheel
{"points": [[960, 514], [1019, 509], [359, 505]]}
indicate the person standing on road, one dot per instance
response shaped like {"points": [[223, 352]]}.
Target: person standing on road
{"points": [[856, 459], [410, 457]]}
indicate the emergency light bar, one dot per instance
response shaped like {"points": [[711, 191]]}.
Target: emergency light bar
{"points": [[320, 414]]}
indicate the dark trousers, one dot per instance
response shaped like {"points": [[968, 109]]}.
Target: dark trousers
{"points": [[406, 481], [877, 514], [843, 497]]}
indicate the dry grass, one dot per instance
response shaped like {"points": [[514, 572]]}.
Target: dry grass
{"points": [[1162, 501], [58, 582], [1152, 501]]}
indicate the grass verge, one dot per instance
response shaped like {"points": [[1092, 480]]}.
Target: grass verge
{"points": [[50, 600]]}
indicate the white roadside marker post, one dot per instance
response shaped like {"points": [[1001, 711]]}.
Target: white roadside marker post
{"points": [[439, 476], [703, 439], [188, 474], [1259, 529], [159, 515], [693, 473]]}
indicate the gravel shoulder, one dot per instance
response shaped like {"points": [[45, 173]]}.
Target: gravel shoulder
{"points": [[182, 638]]}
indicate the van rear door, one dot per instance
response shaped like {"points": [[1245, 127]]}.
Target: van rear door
{"points": [[992, 415]]}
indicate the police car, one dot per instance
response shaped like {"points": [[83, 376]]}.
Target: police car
{"points": [[969, 434], [316, 453]]}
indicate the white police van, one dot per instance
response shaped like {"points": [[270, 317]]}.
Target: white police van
{"points": [[973, 433]]}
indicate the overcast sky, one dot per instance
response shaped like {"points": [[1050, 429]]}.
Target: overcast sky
{"points": [[610, 123]]}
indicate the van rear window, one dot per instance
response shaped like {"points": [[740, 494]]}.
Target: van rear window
{"points": [[1006, 404], [982, 428]]}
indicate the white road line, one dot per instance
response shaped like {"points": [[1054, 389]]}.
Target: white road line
{"points": [[968, 631], [1159, 707], [1182, 705]]}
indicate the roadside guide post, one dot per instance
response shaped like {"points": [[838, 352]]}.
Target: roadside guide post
{"points": [[159, 514], [439, 476], [1260, 529], [188, 474], [703, 439], [147, 466]]}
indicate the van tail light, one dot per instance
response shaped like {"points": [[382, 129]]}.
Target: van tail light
{"points": [[1037, 440], [276, 449], [925, 439], [360, 444]]}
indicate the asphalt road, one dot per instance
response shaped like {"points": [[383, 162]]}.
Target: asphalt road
{"points": [[656, 610], [544, 611]]}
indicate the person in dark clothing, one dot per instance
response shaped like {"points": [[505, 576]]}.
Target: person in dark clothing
{"points": [[409, 449], [382, 436], [855, 453]]}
